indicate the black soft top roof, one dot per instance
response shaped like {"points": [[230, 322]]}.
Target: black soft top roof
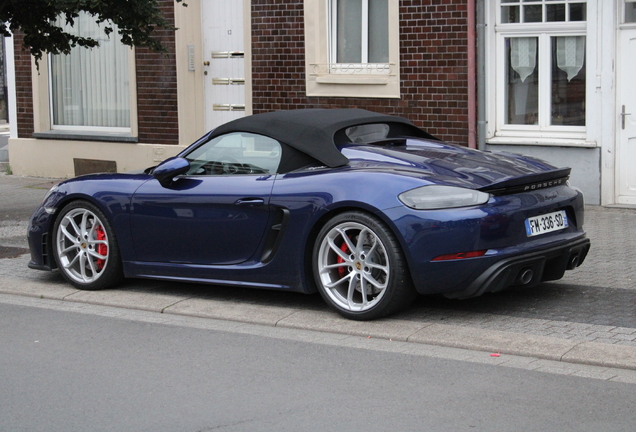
{"points": [[314, 131]]}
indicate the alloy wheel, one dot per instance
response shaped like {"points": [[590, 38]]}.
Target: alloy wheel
{"points": [[82, 245], [353, 266]]}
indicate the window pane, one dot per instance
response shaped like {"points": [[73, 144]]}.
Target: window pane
{"points": [[522, 81], [555, 12], [510, 14], [349, 31], [568, 80], [578, 12], [378, 31], [532, 13], [236, 153], [89, 87], [630, 12]]}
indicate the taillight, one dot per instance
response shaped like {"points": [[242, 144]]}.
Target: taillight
{"points": [[461, 255]]}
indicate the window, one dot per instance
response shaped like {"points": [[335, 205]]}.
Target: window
{"points": [[359, 35], [352, 48], [541, 61], [538, 11], [629, 15], [565, 81], [90, 88], [367, 133], [236, 153]]}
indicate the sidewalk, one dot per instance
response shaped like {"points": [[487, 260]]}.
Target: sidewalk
{"points": [[588, 318]]}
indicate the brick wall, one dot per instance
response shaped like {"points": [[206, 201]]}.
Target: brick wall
{"points": [[156, 88], [23, 88], [433, 65]]}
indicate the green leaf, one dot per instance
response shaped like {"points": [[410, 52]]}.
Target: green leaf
{"points": [[137, 21]]}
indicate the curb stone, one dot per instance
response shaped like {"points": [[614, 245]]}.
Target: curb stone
{"points": [[476, 339]]}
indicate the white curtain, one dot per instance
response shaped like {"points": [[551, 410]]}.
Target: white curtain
{"points": [[378, 31], [349, 28], [570, 54], [90, 87], [523, 56]]}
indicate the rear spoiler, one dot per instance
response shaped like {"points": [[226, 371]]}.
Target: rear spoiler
{"points": [[529, 182]]}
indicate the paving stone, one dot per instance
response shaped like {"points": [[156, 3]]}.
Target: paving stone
{"points": [[622, 330], [578, 333], [565, 331], [626, 343], [624, 337]]}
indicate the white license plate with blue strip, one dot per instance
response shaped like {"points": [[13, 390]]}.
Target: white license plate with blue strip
{"points": [[546, 223]]}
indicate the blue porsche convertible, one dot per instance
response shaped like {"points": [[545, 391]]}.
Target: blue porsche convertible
{"points": [[365, 208]]}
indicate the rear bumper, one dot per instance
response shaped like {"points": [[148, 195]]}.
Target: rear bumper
{"points": [[528, 269]]}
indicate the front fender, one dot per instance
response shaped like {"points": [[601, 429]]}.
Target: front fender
{"points": [[112, 194]]}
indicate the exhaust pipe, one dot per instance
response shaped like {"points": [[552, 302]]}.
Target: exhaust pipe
{"points": [[525, 276], [573, 262]]}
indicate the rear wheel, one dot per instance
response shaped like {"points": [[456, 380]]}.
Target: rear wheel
{"points": [[85, 247], [359, 267]]}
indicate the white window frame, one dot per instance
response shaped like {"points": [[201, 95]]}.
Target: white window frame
{"points": [[324, 77], [74, 128], [357, 68], [43, 126], [498, 132]]}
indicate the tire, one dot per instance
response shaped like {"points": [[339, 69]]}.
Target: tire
{"points": [[85, 247], [356, 253]]}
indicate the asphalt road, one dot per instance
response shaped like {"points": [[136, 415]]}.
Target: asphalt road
{"points": [[110, 369]]}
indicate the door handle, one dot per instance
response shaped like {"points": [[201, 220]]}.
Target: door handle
{"points": [[623, 114], [249, 202]]}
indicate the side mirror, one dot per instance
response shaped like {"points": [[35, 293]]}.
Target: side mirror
{"points": [[169, 169]]}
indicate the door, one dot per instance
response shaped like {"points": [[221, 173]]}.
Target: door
{"points": [[223, 61], [626, 104], [215, 214], [213, 220]]}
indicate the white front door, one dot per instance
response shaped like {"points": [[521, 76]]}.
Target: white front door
{"points": [[223, 61], [626, 113]]}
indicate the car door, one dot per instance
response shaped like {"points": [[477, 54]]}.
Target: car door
{"points": [[216, 213]]}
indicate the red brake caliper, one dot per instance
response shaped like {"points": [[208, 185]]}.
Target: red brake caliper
{"points": [[102, 249], [341, 270]]}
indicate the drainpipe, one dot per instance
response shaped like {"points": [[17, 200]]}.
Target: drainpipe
{"points": [[472, 77], [481, 75]]}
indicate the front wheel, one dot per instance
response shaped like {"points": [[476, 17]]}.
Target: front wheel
{"points": [[85, 247], [359, 267]]}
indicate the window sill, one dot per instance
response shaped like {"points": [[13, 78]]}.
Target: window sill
{"points": [[548, 142], [351, 80], [358, 86], [67, 135]]}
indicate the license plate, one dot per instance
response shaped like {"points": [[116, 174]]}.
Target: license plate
{"points": [[546, 223]]}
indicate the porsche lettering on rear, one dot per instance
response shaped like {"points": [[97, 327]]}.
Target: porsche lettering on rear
{"points": [[545, 184]]}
